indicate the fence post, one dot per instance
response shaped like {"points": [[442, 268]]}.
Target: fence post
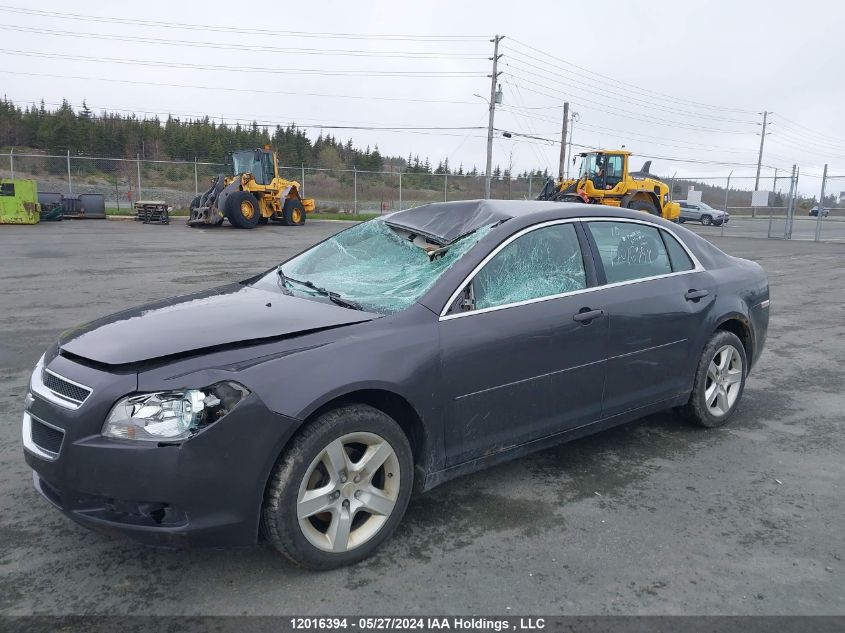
{"points": [[355, 187], [445, 187], [69, 183], [788, 228], [821, 206], [302, 184], [138, 164], [529, 187], [400, 188], [727, 188], [196, 179], [12, 161]]}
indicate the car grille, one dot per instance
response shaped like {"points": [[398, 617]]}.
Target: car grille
{"points": [[64, 388], [46, 437]]}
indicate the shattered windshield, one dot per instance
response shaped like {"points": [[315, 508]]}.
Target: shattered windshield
{"points": [[380, 268]]}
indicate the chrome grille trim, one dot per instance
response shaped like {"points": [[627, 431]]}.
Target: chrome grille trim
{"points": [[30, 445], [38, 388]]}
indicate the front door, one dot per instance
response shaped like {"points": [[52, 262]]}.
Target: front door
{"points": [[523, 357]]}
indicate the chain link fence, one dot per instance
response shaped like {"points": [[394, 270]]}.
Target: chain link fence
{"points": [[122, 181]]}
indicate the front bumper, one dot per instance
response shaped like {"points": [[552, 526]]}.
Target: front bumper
{"points": [[205, 491]]}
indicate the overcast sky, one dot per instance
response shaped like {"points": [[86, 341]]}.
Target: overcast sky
{"points": [[685, 80]]}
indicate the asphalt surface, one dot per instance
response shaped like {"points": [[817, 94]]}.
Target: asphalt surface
{"points": [[656, 517], [803, 228]]}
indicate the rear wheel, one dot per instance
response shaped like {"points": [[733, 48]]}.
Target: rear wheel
{"points": [[706, 220], [719, 381], [340, 489], [293, 213], [643, 205], [242, 210]]}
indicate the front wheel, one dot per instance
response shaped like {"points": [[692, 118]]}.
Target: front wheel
{"points": [[340, 489], [719, 381], [242, 210], [706, 220]]}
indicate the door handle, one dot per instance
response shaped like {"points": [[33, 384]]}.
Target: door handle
{"points": [[695, 295], [585, 315]]}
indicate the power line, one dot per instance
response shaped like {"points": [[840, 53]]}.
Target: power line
{"points": [[230, 89], [603, 91], [635, 87], [248, 69], [234, 29], [650, 138], [243, 47], [627, 114], [823, 136]]}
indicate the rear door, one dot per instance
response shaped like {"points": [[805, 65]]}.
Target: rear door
{"points": [[522, 347], [656, 298]]}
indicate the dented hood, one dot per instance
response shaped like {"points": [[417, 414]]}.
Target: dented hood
{"points": [[211, 319]]}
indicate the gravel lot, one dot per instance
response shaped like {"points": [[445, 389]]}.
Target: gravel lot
{"points": [[656, 517]]}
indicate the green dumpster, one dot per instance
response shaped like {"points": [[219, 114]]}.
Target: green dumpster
{"points": [[18, 202]]}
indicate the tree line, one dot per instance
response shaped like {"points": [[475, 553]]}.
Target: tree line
{"points": [[110, 134]]}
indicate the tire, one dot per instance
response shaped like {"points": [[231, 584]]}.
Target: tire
{"points": [[194, 203], [725, 352], [307, 465], [293, 213], [242, 210], [263, 220], [706, 220], [644, 205]]}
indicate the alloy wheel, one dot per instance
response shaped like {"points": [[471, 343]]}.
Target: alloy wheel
{"points": [[723, 382], [348, 492]]}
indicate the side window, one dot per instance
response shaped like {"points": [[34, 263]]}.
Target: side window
{"points": [[630, 251], [542, 263], [677, 255], [684, 205], [7, 189]]}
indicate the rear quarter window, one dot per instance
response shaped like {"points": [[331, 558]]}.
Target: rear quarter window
{"points": [[677, 255]]}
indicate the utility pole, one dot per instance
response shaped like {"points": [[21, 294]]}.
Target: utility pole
{"points": [[488, 173], [572, 119], [760, 157], [563, 141]]}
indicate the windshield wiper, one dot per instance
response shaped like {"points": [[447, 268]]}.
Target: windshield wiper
{"points": [[334, 297]]}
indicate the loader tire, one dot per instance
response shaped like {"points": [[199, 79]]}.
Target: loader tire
{"points": [[293, 213], [644, 205], [242, 210]]}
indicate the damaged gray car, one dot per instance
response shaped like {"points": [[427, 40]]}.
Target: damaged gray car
{"points": [[306, 403]]}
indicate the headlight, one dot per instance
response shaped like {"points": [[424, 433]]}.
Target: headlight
{"points": [[171, 415]]}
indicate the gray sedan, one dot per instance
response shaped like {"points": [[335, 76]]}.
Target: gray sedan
{"points": [[702, 212], [307, 402]]}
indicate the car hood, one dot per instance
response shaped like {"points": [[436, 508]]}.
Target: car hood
{"points": [[213, 319]]}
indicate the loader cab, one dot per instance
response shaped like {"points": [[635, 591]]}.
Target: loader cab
{"points": [[605, 170], [258, 162]]}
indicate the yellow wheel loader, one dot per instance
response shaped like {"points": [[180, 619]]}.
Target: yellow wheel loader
{"points": [[253, 194], [604, 178]]}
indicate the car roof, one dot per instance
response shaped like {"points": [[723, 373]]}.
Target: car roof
{"points": [[445, 222]]}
